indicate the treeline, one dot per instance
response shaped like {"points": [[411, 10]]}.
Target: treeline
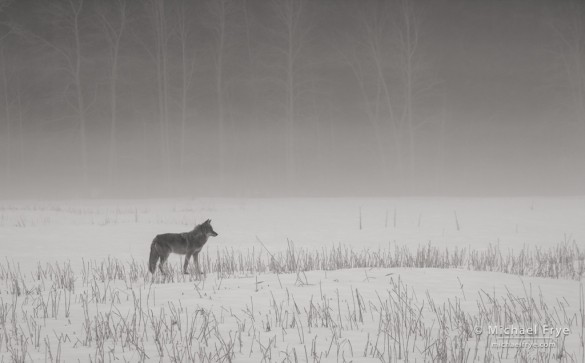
{"points": [[223, 97]]}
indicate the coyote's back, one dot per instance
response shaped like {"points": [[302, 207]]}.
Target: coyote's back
{"points": [[186, 243]]}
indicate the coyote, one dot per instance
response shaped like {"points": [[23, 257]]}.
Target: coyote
{"points": [[187, 243]]}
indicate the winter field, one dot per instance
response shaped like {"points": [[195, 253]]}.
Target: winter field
{"points": [[296, 280]]}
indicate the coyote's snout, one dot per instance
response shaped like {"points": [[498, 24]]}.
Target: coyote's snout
{"points": [[187, 243]]}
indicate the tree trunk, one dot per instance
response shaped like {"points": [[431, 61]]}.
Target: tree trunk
{"points": [[221, 29], [8, 128], [162, 87], [80, 98]]}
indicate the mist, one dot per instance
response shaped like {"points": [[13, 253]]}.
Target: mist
{"points": [[255, 98]]}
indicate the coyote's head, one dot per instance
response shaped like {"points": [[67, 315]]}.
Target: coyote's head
{"points": [[207, 229]]}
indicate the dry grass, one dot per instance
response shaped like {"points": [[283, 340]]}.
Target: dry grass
{"points": [[566, 260], [109, 311]]}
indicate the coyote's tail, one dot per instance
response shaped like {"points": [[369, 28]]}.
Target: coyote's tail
{"points": [[153, 257]]}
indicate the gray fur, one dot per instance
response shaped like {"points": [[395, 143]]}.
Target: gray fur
{"points": [[187, 243]]}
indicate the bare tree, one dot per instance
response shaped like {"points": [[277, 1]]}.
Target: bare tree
{"points": [[188, 58], [571, 52], [112, 17], [8, 130], [291, 35], [76, 6], [7, 126], [387, 66], [20, 120], [219, 23], [160, 56], [407, 31], [65, 21], [370, 58]]}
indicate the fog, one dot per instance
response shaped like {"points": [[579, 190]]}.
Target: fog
{"points": [[258, 98]]}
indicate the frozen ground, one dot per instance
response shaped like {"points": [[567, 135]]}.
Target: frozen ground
{"points": [[61, 299], [97, 229]]}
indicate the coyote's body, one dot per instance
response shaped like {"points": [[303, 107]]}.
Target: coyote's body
{"points": [[187, 243]]}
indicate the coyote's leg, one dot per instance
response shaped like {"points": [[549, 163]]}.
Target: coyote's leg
{"points": [[186, 264], [196, 260], [163, 261]]}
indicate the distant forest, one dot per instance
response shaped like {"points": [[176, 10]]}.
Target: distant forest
{"points": [[166, 98]]}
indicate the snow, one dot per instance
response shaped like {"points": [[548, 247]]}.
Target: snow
{"points": [[407, 314]]}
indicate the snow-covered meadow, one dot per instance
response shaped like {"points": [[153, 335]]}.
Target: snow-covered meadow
{"points": [[317, 280]]}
